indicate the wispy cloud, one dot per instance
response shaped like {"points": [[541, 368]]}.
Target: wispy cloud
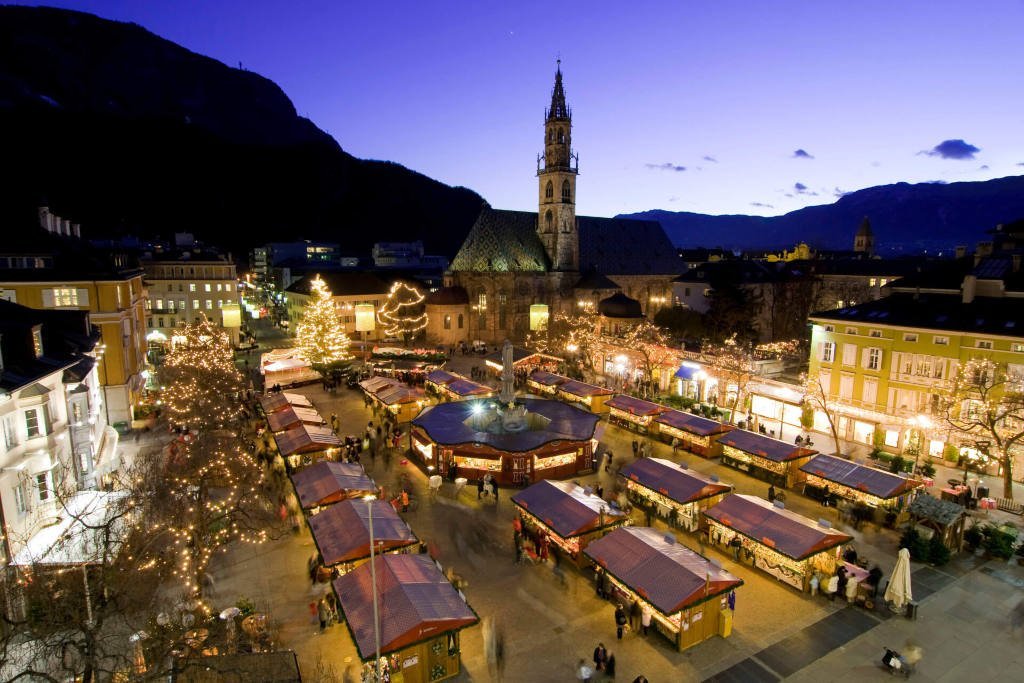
{"points": [[983, 167], [836, 192], [802, 154], [711, 159], [673, 199], [667, 166], [762, 205], [800, 188], [952, 149]]}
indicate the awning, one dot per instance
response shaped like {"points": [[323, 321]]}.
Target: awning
{"points": [[688, 370]]}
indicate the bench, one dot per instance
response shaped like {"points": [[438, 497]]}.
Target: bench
{"points": [[1007, 505]]}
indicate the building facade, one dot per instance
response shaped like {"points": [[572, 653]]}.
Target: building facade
{"points": [[350, 291]]}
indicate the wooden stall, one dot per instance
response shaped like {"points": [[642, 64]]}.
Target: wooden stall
{"points": [[342, 533], [524, 361], [326, 483], [436, 380], [293, 416], [632, 413], [271, 403], [670, 491], [305, 444], [462, 389], [565, 515], [544, 383], [688, 595], [777, 541], [421, 624], [771, 460], [879, 489], [285, 367], [941, 517], [693, 433], [397, 398], [591, 396]]}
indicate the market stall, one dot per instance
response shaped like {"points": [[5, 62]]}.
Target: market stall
{"points": [[342, 533], [688, 595], [771, 460], [396, 398], [884, 491], [325, 483], [419, 627], [941, 517], [566, 516], [271, 403], [632, 413], [292, 416], [286, 367], [544, 383], [777, 541], [591, 396], [693, 433], [305, 444], [670, 491], [462, 389], [436, 380], [524, 361]]}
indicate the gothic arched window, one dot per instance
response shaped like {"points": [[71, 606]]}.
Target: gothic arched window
{"points": [[549, 221], [549, 191], [561, 136], [551, 135], [566, 191]]}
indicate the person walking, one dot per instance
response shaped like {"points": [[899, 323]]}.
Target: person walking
{"points": [[634, 615], [609, 666], [323, 612], [636, 447], [494, 489], [583, 672], [600, 657], [608, 461], [620, 621], [645, 619], [479, 488], [771, 493]]}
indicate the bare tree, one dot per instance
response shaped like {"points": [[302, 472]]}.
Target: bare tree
{"points": [[734, 365], [816, 394], [650, 343], [575, 335]]}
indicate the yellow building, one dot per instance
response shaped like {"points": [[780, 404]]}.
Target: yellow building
{"points": [[886, 364], [53, 268]]}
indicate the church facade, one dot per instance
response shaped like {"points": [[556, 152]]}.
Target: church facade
{"points": [[511, 260]]}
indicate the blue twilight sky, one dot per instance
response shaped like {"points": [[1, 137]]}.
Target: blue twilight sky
{"points": [[716, 107]]}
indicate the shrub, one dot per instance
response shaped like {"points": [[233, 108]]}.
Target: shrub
{"points": [[897, 464], [245, 606], [998, 543], [918, 547], [973, 536], [928, 469], [875, 454], [938, 553], [950, 453]]}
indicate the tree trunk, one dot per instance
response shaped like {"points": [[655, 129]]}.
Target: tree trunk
{"points": [[1008, 477]]}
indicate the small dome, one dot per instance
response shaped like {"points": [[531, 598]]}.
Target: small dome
{"points": [[619, 305], [448, 296]]}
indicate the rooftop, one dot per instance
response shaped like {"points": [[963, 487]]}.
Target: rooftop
{"points": [[567, 508], [342, 531], [675, 481], [878, 483], [984, 315], [328, 482], [764, 446]]}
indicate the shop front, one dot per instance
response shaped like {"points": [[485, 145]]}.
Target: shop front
{"points": [[632, 413], [771, 460], [689, 596], [326, 483], [882, 491], [692, 381], [342, 533], [671, 492], [699, 435], [779, 542], [564, 517], [590, 396], [775, 405]]}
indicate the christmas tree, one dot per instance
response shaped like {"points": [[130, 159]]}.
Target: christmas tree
{"points": [[319, 337], [402, 314]]}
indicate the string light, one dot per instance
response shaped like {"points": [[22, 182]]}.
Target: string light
{"points": [[319, 337], [400, 316]]}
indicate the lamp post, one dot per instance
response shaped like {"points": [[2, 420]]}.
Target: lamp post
{"points": [[373, 587], [924, 423]]}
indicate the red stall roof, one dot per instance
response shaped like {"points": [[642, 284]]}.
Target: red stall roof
{"points": [[567, 508], [672, 480], [688, 422], [582, 389], [342, 531], [764, 446], [416, 603], [668, 575], [291, 416], [634, 406], [305, 439], [878, 483], [398, 394], [274, 402], [324, 483], [791, 534], [548, 379], [375, 384]]}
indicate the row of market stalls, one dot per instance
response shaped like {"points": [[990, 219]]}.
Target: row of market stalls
{"points": [[300, 432], [450, 386], [394, 397]]}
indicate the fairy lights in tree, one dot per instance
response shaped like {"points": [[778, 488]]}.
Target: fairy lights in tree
{"points": [[402, 314], [319, 337]]}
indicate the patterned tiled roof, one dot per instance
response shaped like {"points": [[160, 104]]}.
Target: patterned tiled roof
{"points": [[502, 241]]}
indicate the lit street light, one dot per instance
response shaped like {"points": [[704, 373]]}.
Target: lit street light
{"points": [[373, 587]]}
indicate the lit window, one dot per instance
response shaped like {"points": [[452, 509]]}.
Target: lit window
{"points": [[984, 344], [872, 282], [206, 287], [159, 303], [881, 283], [65, 296], [209, 305], [218, 286], [1017, 348], [910, 337], [940, 341], [447, 322], [195, 304], [840, 303], [191, 286], [874, 359], [37, 342]]}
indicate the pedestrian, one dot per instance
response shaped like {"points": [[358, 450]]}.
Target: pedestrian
{"points": [[583, 672], [634, 615], [609, 666], [313, 564], [479, 488], [1017, 616], [636, 447], [312, 612], [494, 489], [599, 490], [517, 540], [608, 461], [333, 605], [771, 493], [645, 619], [323, 613], [598, 578], [620, 621], [736, 544], [600, 657]]}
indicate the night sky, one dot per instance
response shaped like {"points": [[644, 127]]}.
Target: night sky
{"points": [[713, 107]]}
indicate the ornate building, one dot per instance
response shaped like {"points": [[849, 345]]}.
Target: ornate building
{"points": [[513, 259]]}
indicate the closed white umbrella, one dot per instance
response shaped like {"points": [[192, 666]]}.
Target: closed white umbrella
{"points": [[898, 592]]}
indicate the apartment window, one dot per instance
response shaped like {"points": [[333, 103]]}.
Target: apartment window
{"points": [[869, 392], [191, 286], [10, 432], [940, 341], [460, 321], [851, 330], [849, 354], [881, 283], [206, 287], [1017, 348], [37, 342], [872, 282], [65, 296], [43, 486], [195, 304], [218, 287], [159, 322], [909, 337], [828, 351], [840, 303], [159, 303], [20, 502], [873, 359], [181, 304], [209, 305], [829, 328], [686, 291], [846, 387], [877, 334], [33, 426], [984, 344], [825, 379], [447, 322]]}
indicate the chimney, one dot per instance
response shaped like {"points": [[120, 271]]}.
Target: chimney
{"points": [[969, 286], [961, 251], [982, 250], [44, 218]]}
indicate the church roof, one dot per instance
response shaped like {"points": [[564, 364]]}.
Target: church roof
{"points": [[595, 280], [507, 241], [619, 305]]}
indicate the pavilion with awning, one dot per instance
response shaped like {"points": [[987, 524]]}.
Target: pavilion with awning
{"points": [[325, 483], [671, 491], [688, 595], [777, 541], [859, 483], [567, 514], [771, 460], [544, 383], [696, 434], [305, 444], [632, 413], [342, 532], [421, 616], [590, 395]]}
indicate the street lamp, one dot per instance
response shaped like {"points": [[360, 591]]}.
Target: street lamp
{"points": [[924, 423], [373, 587]]}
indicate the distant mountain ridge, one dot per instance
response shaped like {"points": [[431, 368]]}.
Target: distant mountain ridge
{"points": [[904, 218], [126, 132]]}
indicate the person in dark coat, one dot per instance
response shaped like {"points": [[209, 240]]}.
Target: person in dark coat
{"points": [[634, 615], [620, 621], [600, 657], [771, 493], [609, 667], [479, 488]]}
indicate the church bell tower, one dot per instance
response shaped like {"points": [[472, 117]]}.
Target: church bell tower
{"points": [[556, 173]]}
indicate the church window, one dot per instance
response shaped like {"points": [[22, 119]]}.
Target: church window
{"points": [[549, 191], [502, 311], [460, 321], [561, 136], [566, 191], [551, 135], [549, 220]]}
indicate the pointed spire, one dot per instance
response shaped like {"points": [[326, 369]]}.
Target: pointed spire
{"points": [[558, 108]]}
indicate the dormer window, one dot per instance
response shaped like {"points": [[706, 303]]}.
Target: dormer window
{"points": [[37, 341]]}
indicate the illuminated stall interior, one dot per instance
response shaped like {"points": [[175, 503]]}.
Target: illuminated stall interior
{"points": [[325, 483], [670, 491], [567, 514], [304, 445], [453, 387], [777, 541], [589, 395], [544, 383], [523, 360], [342, 533], [632, 413], [687, 594], [858, 483], [696, 434], [420, 621], [771, 460]]}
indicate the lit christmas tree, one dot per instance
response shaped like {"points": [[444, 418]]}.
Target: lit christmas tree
{"points": [[202, 384], [319, 337], [402, 314]]}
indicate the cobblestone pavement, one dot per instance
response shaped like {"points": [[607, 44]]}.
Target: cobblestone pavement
{"points": [[549, 624]]}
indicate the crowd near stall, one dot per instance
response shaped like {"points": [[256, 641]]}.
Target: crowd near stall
{"points": [[395, 398]]}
